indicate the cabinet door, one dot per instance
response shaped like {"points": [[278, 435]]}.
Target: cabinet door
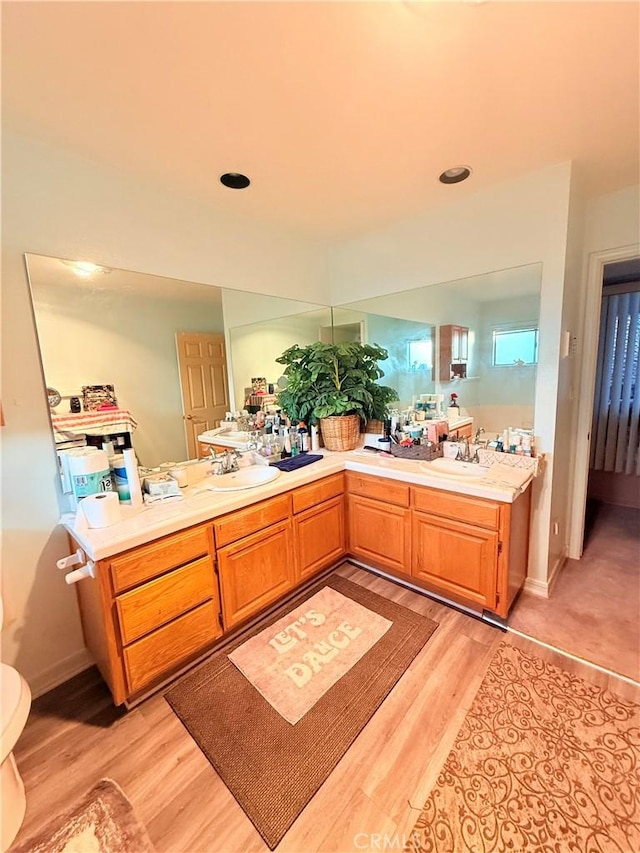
{"points": [[455, 343], [319, 537], [463, 343], [380, 534], [254, 571], [456, 558]]}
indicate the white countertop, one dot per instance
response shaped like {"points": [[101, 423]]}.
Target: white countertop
{"points": [[142, 525]]}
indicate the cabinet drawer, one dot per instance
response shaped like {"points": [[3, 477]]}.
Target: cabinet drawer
{"points": [[315, 493], [389, 491], [149, 561], [171, 646], [151, 605], [234, 526], [458, 507]]}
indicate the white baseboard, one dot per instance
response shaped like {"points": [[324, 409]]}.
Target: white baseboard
{"points": [[59, 673], [535, 587], [543, 588]]}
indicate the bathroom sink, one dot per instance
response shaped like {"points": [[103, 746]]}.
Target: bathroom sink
{"points": [[245, 478], [226, 438], [453, 468]]}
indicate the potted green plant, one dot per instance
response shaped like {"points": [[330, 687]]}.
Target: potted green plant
{"points": [[335, 385]]}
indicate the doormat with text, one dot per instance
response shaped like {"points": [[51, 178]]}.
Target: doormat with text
{"points": [[271, 767], [297, 659]]}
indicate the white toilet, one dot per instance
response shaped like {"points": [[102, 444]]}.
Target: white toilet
{"points": [[15, 702]]}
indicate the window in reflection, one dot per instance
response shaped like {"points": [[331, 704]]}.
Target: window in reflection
{"points": [[515, 347]]}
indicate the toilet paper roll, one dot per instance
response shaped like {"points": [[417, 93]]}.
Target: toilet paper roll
{"points": [[101, 510], [88, 472], [88, 460]]}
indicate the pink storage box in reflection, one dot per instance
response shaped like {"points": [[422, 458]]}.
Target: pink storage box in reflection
{"points": [[435, 430]]}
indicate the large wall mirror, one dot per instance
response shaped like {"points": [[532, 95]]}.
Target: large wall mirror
{"points": [[114, 327], [497, 314], [100, 327]]}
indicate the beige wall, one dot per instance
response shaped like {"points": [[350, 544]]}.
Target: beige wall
{"points": [[521, 222], [55, 204], [58, 205]]}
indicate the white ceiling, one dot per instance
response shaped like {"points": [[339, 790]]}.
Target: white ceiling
{"points": [[342, 113]]}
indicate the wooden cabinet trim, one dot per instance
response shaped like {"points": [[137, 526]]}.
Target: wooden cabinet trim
{"points": [[315, 493], [266, 556], [158, 601], [243, 522], [464, 508], [378, 488], [379, 534], [456, 558], [171, 646], [148, 561], [319, 537]]}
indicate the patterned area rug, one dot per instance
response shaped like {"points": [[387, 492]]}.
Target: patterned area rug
{"points": [[102, 822], [543, 762], [272, 767]]}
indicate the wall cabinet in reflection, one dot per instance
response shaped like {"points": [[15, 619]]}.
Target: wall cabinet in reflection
{"points": [[454, 352]]}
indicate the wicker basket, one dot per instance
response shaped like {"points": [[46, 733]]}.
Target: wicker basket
{"points": [[426, 452], [374, 427], [340, 432]]}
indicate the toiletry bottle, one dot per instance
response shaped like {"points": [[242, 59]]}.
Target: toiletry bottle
{"points": [[303, 436], [286, 443], [293, 440]]}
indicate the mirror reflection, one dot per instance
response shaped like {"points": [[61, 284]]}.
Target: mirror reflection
{"points": [[474, 337], [159, 343]]}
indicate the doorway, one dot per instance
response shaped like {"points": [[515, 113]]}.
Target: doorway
{"points": [[202, 364], [592, 612], [587, 380]]}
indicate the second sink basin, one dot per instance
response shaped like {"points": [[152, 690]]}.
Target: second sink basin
{"points": [[453, 468], [245, 478]]}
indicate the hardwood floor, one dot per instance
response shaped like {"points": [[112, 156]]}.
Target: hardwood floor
{"points": [[75, 736]]}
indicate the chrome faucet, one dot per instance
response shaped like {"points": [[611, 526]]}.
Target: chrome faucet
{"points": [[226, 462], [463, 454]]}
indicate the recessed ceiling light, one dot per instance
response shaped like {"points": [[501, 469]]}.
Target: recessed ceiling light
{"points": [[455, 175], [234, 180]]}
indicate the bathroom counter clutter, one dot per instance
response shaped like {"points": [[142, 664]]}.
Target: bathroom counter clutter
{"points": [[93, 423], [173, 578], [141, 525]]}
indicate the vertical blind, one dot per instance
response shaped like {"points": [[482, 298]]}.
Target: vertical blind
{"points": [[616, 412]]}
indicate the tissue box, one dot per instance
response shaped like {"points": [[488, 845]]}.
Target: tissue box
{"points": [[161, 485]]}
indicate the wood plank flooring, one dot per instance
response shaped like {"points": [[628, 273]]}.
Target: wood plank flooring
{"points": [[75, 736]]}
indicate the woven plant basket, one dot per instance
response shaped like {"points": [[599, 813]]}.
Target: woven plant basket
{"points": [[340, 432]]}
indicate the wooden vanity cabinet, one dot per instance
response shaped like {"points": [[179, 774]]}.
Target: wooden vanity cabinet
{"points": [[470, 549], [319, 528], [255, 558], [379, 522], [453, 350], [465, 431], [151, 610]]}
